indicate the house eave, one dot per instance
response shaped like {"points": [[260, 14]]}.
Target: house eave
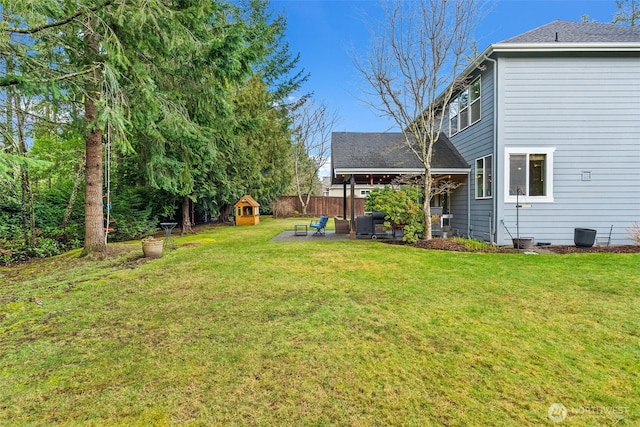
{"points": [[398, 171], [564, 47], [542, 48]]}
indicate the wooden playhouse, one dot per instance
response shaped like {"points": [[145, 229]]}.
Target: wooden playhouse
{"points": [[247, 211]]}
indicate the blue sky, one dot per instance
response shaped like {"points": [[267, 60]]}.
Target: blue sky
{"points": [[327, 33]]}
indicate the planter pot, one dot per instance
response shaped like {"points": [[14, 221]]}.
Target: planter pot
{"points": [[584, 237], [523, 243], [152, 248], [342, 226]]}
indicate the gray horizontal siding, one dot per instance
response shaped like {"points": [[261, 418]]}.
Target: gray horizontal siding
{"points": [[589, 110], [474, 142]]}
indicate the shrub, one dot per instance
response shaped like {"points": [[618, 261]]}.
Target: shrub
{"points": [[282, 208], [475, 245], [17, 251], [634, 233], [132, 215], [401, 208]]}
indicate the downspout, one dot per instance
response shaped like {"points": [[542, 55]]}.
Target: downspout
{"points": [[469, 176], [494, 158]]}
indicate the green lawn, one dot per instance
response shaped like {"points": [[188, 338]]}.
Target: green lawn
{"points": [[233, 329]]}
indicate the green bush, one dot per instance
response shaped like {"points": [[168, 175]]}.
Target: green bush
{"points": [[475, 245], [401, 208], [132, 214]]}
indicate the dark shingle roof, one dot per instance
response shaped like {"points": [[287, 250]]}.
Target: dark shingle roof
{"points": [[388, 151], [578, 32]]}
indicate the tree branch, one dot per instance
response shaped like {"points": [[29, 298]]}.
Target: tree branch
{"points": [[60, 23], [15, 80]]}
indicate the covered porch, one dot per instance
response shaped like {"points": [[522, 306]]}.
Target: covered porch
{"points": [[378, 159]]}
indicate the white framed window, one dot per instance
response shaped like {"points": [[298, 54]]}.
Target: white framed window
{"points": [[528, 174], [365, 192], [453, 117], [484, 177], [474, 101], [464, 109]]}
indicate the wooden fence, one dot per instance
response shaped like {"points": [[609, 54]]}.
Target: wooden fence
{"points": [[318, 205]]}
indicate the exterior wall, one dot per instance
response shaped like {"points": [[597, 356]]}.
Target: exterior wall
{"points": [[338, 190], [588, 109], [247, 211], [474, 142]]}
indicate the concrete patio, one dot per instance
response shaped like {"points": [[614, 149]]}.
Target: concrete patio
{"points": [[290, 236]]}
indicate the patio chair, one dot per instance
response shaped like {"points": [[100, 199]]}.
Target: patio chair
{"points": [[320, 225]]}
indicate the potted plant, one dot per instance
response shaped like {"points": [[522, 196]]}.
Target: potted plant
{"points": [[152, 247]]}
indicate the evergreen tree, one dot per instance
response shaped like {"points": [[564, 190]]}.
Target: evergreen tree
{"points": [[163, 81]]}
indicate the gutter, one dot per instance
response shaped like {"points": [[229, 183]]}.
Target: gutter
{"points": [[398, 171], [565, 47]]}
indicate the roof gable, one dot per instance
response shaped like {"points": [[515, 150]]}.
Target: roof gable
{"points": [[247, 200]]}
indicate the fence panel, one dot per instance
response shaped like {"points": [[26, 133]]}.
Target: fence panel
{"points": [[318, 205]]}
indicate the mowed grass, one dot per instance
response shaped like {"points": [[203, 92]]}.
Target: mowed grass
{"points": [[234, 329]]}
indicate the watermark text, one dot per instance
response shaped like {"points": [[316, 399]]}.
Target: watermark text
{"points": [[557, 412]]}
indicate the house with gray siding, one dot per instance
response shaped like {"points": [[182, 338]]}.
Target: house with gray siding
{"points": [[558, 134], [549, 123]]}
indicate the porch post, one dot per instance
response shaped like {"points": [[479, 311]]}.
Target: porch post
{"points": [[353, 207], [344, 199]]}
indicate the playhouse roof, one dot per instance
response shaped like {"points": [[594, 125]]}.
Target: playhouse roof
{"points": [[247, 200]]}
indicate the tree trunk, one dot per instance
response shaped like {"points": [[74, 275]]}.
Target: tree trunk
{"points": [[305, 204], [14, 108], [426, 207], [27, 209], [186, 221], [223, 217], [94, 240], [93, 215], [26, 197]]}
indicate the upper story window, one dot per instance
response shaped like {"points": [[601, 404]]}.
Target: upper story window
{"points": [[464, 110], [529, 174]]}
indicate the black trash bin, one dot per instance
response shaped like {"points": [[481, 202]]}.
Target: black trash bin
{"points": [[584, 237]]}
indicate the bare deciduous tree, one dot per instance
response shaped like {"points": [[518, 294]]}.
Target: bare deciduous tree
{"points": [[628, 12], [412, 71], [311, 147]]}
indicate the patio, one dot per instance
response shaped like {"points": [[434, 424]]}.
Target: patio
{"points": [[290, 236]]}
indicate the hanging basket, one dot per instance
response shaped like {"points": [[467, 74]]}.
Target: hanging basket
{"points": [[151, 247]]}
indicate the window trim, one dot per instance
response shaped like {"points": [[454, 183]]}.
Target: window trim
{"points": [[548, 151], [484, 159], [467, 109]]}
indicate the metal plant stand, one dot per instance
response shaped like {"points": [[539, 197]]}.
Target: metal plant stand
{"points": [[169, 243]]}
